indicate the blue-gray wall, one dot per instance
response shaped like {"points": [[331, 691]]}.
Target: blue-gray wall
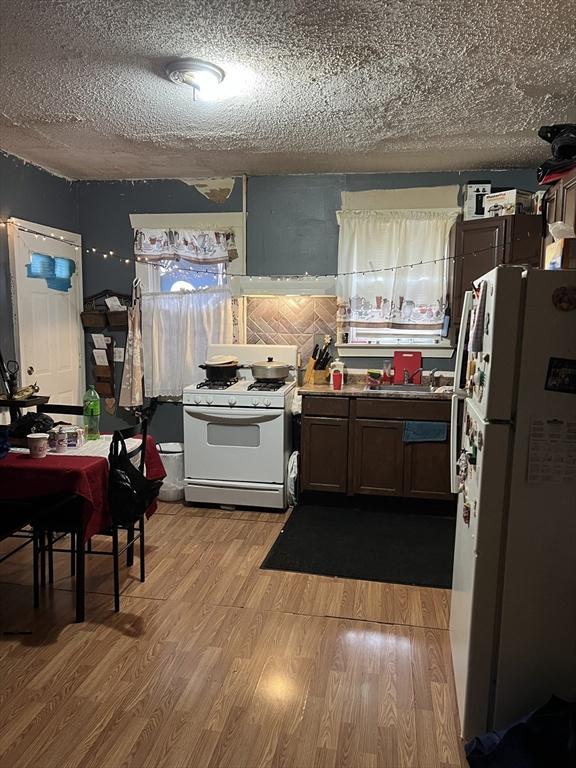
{"points": [[28, 192], [291, 228], [105, 207], [292, 224]]}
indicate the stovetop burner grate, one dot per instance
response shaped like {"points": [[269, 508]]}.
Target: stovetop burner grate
{"points": [[207, 384], [266, 386]]}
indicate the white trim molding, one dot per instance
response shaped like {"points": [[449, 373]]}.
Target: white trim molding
{"points": [[441, 349]]}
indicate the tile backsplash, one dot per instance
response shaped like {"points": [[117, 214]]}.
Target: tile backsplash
{"points": [[290, 320]]}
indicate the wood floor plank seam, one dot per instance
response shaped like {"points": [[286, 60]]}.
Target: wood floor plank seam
{"points": [[333, 616]]}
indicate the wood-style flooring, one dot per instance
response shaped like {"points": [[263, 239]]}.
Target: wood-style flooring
{"points": [[213, 663]]}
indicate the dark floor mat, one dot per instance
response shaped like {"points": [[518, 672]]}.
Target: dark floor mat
{"points": [[396, 540]]}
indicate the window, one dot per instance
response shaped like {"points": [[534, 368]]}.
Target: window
{"points": [[393, 275], [186, 302]]}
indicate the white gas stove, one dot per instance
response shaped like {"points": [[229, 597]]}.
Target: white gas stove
{"points": [[242, 393], [237, 435]]}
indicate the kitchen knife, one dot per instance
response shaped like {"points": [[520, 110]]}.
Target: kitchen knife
{"points": [[321, 354]]}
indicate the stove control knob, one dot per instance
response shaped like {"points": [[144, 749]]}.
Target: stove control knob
{"points": [[267, 402], [209, 400], [255, 401], [231, 401], [197, 399]]}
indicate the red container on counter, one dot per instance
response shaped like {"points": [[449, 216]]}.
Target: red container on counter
{"points": [[337, 380]]}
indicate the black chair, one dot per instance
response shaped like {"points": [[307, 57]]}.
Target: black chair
{"points": [[128, 517], [54, 522], [24, 518], [64, 410], [16, 523], [33, 520]]}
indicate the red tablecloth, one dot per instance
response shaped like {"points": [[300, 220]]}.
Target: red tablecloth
{"points": [[87, 476]]}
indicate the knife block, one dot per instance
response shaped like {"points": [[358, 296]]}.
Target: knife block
{"points": [[320, 377]]}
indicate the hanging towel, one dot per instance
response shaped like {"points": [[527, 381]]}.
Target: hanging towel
{"points": [[425, 431], [131, 395], [477, 325]]}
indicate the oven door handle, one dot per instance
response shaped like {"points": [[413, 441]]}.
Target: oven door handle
{"points": [[249, 418]]}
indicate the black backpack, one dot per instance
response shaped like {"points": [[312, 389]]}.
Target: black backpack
{"points": [[130, 493]]}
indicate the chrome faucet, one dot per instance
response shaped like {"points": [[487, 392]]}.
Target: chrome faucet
{"points": [[431, 378], [407, 376]]}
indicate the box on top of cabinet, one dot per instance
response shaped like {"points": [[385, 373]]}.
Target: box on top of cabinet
{"points": [[476, 192], [508, 202]]}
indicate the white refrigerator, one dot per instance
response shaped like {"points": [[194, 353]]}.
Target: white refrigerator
{"points": [[513, 612]]}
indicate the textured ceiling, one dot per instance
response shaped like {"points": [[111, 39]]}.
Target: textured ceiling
{"points": [[342, 86]]}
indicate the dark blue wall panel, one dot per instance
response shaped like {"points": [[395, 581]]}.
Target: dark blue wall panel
{"points": [[292, 225], [105, 208], [291, 229], [28, 192]]}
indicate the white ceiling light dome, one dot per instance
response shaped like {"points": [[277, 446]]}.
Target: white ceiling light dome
{"points": [[202, 76]]}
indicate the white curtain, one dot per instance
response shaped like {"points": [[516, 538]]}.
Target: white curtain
{"points": [[412, 299], [176, 329]]}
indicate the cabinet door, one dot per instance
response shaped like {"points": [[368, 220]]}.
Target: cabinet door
{"points": [[569, 218], [377, 461], [553, 200], [479, 248], [524, 240], [569, 202], [427, 470], [324, 454]]}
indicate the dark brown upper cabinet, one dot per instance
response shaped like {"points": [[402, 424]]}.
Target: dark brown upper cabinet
{"points": [[482, 244]]}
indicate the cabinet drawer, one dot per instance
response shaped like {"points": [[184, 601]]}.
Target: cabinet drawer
{"points": [[325, 406], [406, 410]]}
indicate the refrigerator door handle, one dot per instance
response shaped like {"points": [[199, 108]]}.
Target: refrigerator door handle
{"points": [[462, 336], [454, 477], [459, 393]]}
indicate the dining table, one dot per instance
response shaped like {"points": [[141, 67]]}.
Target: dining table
{"points": [[81, 472]]}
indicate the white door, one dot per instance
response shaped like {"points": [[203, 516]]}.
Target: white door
{"points": [[46, 284], [475, 581]]}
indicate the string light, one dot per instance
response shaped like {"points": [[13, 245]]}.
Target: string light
{"points": [[306, 275]]}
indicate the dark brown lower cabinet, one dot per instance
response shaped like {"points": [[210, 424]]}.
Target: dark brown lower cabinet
{"points": [[324, 463], [377, 457], [427, 470], [355, 445]]}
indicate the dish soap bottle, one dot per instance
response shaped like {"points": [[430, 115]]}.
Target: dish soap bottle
{"points": [[91, 414]]}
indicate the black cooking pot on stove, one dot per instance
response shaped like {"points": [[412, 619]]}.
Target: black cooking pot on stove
{"points": [[221, 368]]}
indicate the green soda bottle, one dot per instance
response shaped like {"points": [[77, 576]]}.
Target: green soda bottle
{"points": [[91, 414]]}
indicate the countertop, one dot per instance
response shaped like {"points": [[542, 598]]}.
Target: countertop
{"points": [[357, 390]]}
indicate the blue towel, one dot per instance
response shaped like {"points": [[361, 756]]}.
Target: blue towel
{"points": [[425, 431]]}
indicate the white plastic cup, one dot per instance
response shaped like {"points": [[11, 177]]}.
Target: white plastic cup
{"points": [[61, 441], [38, 445]]}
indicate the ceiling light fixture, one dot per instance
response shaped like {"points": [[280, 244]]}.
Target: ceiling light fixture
{"points": [[202, 76]]}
